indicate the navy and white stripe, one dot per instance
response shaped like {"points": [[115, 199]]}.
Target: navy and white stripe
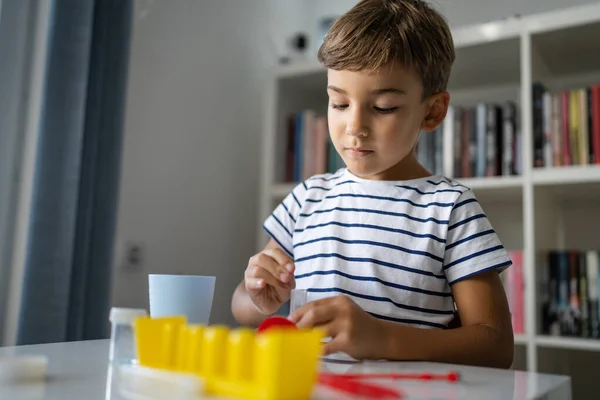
{"points": [[394, 247]]}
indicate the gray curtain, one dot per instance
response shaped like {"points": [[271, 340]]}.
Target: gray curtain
{"points": [[66, 294], [16, 27]]}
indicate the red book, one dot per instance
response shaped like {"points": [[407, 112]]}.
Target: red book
{"points": [[518, 312]]}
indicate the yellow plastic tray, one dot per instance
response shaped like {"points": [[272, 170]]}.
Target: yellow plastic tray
{"points": [[276, 364]]}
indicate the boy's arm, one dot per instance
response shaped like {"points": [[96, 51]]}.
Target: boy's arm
{"points": [[485, 337], [243, 309]]}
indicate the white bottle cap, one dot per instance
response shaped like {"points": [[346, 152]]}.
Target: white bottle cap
{"points": [[23, 368], [126, 315], [149, 383]]}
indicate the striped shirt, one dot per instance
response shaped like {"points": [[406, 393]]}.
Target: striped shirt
{"points": [[394, 247]]}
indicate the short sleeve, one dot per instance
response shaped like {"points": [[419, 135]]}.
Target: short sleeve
{"points": [[281, 223], [472, 245]]}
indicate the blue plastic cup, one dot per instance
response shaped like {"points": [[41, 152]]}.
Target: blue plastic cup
{"points": [[187, 295]]}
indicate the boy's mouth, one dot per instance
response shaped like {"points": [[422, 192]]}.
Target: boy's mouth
{"points": [[358, 151]]}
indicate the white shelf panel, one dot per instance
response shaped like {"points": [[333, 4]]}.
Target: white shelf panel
{"points": [[492, 182], [568, 343], [521, 339], [563, 52], [562, 19], [492, 64], [495, 188], [569, 185], [568, 175], [473, 35]]}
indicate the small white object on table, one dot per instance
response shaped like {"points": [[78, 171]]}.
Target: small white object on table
{"points": [[80, 370]]}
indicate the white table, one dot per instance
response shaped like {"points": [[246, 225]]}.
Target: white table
{"points": [[79, 370]]}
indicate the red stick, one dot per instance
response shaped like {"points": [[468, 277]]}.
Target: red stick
{"points": [[427, 376], [358, 388]]}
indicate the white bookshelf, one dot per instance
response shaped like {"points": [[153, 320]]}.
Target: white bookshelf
{"points": [[496, 61]]}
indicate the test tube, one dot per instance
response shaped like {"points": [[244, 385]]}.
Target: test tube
{"points": [[122, 348], [297, 299]]}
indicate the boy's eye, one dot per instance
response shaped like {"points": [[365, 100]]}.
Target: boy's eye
{"points": [[385, 110], [339, 106]]}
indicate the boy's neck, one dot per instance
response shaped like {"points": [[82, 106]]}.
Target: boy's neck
{"points": [[407, 169]]}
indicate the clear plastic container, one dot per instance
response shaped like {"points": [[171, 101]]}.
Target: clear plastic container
{"points": [[122, 341], [298, 298]]}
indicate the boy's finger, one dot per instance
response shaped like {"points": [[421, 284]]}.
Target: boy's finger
{"points": [[324, 302], [254, 284], [335, 345], [280, 256], [338, 342], [263, 260], [257, 278], [298, 313], [313, 314], [282, 259]]}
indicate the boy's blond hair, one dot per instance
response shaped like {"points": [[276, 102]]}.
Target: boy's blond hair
{"points": [[375, 33]]}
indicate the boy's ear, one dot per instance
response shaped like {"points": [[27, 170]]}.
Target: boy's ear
{"points": [[437, 108]]}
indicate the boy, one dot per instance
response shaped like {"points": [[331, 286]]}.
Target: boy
{"points": [[391, 248]]}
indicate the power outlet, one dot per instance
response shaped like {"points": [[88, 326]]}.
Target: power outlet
{"points": [[133, 256]]}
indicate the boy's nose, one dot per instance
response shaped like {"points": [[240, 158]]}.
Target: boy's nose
{"points": [[357, 133], [356, 125]]}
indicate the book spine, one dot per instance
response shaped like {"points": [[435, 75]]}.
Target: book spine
{"points": [[538, 124], [596, 122], [566, 148]]}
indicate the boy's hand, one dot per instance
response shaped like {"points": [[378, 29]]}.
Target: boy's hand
{"points": [[352, 330], [269, 279]]}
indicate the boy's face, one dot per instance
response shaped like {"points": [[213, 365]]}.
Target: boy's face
{"points": [[375, 119]]}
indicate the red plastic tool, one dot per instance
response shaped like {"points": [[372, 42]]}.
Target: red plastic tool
{"points": [[276, 322], [355, 387], [451, 376]]}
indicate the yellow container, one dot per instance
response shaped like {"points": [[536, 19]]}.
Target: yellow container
{"points": [[154, 340], [277, 364]]}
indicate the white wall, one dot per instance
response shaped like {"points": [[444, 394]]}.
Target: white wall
{"points": [[190, 165]]}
